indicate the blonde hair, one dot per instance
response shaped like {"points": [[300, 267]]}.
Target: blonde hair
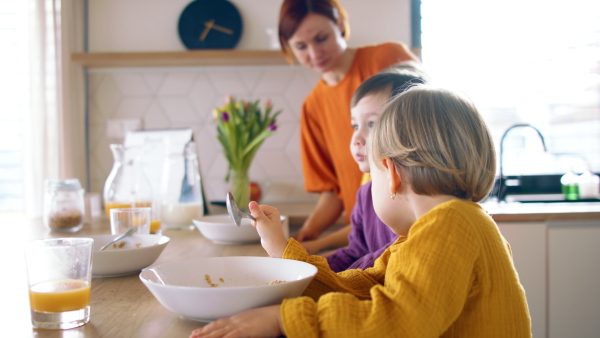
{"points": [[439, 141]]}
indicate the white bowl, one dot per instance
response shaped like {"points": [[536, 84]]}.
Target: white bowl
{"points": [[222, 230], [128, 256], [241, 283]]}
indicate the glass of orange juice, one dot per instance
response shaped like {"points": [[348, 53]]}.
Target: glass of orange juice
{"points": [[59, 274], [122, 219]]}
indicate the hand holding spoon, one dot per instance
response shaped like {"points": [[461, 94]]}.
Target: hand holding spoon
{"points": [[234, 212]]}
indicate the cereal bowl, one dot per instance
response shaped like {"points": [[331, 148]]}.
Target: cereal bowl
{"points": [[206, 289], [128, 256], [222, 230]]}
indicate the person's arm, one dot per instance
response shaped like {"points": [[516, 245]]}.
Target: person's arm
{"points": [[328, 210], [336, 239], [369, 259]]}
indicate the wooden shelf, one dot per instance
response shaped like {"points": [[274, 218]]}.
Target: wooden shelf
{"points": [[181, 58]]}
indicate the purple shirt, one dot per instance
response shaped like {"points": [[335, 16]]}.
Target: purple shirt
{"points": [[368, 239]]}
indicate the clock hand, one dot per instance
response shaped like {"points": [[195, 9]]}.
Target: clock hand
{"points": [[223, 29], [209, 25]]}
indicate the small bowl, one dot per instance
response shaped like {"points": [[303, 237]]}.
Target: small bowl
{"points": [[222, 230], [206, 289], [127, 256]]}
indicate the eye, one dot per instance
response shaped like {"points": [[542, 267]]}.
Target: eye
{"points": [[321, 38], [300, 46], [355, 126], [371, 124]]}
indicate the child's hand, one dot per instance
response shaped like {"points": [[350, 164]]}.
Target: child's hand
{"points": [[259, 322], [268, 225]]}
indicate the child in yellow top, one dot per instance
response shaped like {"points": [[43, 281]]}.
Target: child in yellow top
{"points": [[450, 274]]}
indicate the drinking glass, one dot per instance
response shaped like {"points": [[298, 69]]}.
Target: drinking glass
{"points": [[122, 219], [59, 273]]}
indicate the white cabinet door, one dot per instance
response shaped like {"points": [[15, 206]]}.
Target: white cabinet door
{"points": [[574, 279], [528, 243]]}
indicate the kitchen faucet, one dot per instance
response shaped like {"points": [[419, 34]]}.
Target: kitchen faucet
{"points": [[502, 189]]}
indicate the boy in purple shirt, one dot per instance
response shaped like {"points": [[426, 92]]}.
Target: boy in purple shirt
{"points": [[369, 236]]}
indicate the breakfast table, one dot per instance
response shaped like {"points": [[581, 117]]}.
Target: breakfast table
{"points": [[124, 307], [120, 306]]}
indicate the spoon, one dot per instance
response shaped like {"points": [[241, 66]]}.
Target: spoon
{"points": [[128, 233], [234, 212]]}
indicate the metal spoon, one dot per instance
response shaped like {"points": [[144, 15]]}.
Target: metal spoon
{"points": [[128, 233], [234, 212]]}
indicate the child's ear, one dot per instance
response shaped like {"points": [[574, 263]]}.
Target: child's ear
{"points": [[393, 176]]}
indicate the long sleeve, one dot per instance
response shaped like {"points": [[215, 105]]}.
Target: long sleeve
{"points": [[368, 239], [451, 277]]}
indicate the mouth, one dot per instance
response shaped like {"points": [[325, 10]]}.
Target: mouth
{"points": [[321, 63], [360, 158]]}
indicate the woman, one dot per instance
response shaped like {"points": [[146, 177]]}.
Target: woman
{"points": [[315, 32]]}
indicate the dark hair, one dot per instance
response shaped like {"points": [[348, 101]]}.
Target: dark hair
{"points": [[397, 78], [294, 11]]}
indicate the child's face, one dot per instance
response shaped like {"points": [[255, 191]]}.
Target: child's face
{"points": [[363, 118]]}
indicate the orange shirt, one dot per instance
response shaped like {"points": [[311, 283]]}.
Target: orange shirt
{"points": [[325, 128]]}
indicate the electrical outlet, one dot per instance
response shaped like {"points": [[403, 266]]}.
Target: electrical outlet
{"points": [[118, 128]]}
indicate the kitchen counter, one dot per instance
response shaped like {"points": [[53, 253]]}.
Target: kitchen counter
{"points": [[500, 212]]}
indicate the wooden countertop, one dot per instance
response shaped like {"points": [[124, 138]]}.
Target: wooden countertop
{"points": [[120, 306], [123, 307]]}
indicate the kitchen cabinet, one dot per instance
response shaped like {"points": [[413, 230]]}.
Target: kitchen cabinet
{"points": [[528, 244], [573, 279]]}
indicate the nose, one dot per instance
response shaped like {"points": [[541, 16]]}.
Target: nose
{"points": [[314, 51], [358, 138]]}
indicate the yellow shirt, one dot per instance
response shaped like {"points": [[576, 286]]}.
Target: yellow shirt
{"points": [[451, 276]]}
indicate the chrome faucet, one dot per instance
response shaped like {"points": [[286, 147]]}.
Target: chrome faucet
{"points": [[502, 189]]}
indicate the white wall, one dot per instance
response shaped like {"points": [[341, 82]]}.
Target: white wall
{"points": [[151, 25], [184, 97]]}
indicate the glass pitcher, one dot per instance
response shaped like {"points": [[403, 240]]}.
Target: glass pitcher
{"points": [[182, 199], [127, 185]]}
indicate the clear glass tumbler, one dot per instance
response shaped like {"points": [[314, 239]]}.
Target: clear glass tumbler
{"points": [[59, 273], [123, 219]]}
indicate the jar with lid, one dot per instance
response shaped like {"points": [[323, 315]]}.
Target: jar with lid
{"points": [[64, 207], [570, 186]]}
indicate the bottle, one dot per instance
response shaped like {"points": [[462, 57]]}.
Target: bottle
{"points": [[126, 185], [64, 207], [589, 185], [570, 186], [182, 199]]}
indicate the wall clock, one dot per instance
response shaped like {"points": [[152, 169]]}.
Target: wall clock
{"points": [[210, 24]]}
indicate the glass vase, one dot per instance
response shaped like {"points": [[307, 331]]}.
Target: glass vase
{"points": [[240, 188]]}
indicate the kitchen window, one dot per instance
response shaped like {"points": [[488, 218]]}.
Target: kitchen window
{"points": [[528, 61], [12, 99]]}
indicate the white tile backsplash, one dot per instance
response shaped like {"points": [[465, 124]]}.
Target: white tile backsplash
{"points": [[185, 97]]}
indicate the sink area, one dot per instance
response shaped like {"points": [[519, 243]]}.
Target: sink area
{"points": [[535, 189]]}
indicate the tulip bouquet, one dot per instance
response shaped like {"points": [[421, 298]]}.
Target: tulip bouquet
{"points": [[242, 127]]}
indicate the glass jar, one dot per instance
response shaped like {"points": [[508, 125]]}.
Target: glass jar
{"points": [[64, 207], [182, 198], [570, 186]]}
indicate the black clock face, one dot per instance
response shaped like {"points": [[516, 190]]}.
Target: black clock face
{"points": [[210, 24]]}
